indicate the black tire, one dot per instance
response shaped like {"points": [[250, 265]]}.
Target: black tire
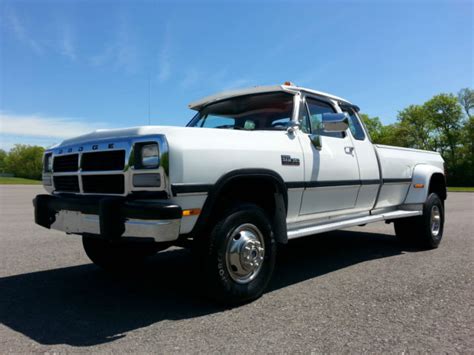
{"points": [[423, 231], [223, 281], [118, 256]]}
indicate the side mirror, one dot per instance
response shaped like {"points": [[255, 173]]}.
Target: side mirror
{"points": [[335, 122]]}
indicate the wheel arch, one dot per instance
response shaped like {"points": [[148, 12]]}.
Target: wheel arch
{"points": [[426, 179], [272, 194]]}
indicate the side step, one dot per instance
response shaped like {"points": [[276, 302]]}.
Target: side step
{"points": [[297, 233]]}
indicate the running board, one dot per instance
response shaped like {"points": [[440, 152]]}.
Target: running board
{"points": [[297, 233]]}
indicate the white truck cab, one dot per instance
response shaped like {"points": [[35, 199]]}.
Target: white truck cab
{"points": [[252, 168]]}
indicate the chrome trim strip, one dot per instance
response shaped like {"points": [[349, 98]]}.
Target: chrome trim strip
{"points": [[302, 232]]}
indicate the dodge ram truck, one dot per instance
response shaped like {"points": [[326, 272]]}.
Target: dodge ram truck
{"points": [[253, 169]]}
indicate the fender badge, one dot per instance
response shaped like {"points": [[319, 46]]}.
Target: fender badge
{"points": [[288, 160]]}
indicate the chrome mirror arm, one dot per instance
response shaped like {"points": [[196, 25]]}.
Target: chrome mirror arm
{"points": [[293, 127]]}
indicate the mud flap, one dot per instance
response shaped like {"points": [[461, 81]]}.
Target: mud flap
{"points": [[279, 219]]}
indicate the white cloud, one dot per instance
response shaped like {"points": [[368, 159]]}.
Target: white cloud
{"points": [[43, 126], [104, 56], [20, 32], [122, 52], [63, 45], [164, 57], [190, 79], [67, 46]]}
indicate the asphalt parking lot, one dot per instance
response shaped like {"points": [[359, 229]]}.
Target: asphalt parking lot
{"points": [[347, 291]]}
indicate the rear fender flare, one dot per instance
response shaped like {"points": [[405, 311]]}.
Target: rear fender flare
{"points": [[422, 174]]}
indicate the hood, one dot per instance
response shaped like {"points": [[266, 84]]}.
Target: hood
{"points": [[114, 134], [185, 136]]}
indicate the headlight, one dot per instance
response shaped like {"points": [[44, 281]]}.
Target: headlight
{"points": [[48, 163], [149, 156]]}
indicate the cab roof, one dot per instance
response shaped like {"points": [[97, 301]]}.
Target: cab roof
{"points": [[293, 89]]}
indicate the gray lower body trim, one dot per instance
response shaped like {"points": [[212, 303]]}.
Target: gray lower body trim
{"points": [[302, 232]]}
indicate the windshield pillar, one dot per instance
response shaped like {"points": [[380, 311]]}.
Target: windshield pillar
{"points": [[296, 107]]}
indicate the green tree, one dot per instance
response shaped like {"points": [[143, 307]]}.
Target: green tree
{"points": [[464, 169], [438, 125], [445, 114], [3, 157], [466, 99], [465, 166], [373, 125], [25, 161], [416, 126], [392, 134]]}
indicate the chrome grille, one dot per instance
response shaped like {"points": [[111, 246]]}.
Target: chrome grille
{"points": [[66, 163], [66, 183], [90, 162], [103, 184], [103, 161], [104, 167]]}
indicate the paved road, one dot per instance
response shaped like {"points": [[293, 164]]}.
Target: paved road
{"points": [[347, 291]]}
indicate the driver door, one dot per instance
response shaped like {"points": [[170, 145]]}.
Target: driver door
{"points": [[331, 171]]}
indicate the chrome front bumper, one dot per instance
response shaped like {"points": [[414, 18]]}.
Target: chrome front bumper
{"points": [[74, 222], [109, 218]]}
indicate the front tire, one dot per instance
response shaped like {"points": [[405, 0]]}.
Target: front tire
{"points": [[239, 256], [425, 231]]}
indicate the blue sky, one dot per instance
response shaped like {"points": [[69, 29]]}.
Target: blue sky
{"points": [[68, 67]]}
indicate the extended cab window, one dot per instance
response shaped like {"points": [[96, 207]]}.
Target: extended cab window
{"points": [[316, 109], [272, 111]]}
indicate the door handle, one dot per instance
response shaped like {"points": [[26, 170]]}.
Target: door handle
{"points": [[349, 150]]}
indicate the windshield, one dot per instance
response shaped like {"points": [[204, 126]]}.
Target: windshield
{"points": [[271, 111]]}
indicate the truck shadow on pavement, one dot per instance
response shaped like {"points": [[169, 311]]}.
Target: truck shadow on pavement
{"points": [[84, 306]]}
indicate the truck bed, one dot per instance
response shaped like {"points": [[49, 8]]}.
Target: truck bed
{"points": [[397, 165]]}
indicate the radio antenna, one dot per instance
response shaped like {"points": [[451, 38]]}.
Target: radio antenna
{"points": [[149, 98]]}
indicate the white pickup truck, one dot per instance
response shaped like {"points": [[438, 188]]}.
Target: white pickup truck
{"points": [[253, 169]]}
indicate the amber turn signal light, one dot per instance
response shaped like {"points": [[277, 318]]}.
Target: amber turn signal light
{"points": [[191, 212]]}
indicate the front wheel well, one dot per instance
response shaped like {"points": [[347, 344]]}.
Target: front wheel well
{"points": [[261, 189], [255, 190], [438, 185]]}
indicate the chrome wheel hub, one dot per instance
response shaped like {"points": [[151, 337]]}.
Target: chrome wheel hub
{"points": [[245, 253], [435, 221]]}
